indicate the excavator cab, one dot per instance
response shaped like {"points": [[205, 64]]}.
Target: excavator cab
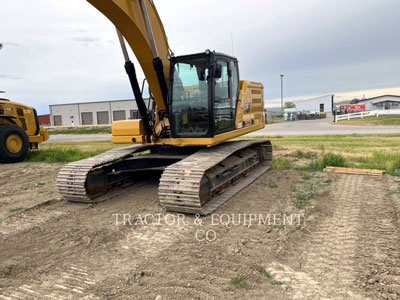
{"points": [[203, 94]]}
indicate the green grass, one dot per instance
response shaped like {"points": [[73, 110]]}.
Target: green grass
{"points": [[357, 151], [374, 151], [386, 120], [279, 163], [305, 154], [16, 209], [68, 152], [239, 282], [80, 130], [59, 155]]}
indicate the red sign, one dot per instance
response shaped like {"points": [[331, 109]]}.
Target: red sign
{"points": [[352, 107]]}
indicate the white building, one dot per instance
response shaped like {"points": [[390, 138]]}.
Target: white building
{"points": [[318, 104], [381, 102], [93, 113]]}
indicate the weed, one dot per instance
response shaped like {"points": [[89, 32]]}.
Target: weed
{"points": [[281, 226], [275, 282], [284, 213], [333, 160], [39, 184], [396, 168], [262, 271], [272, 185], [279, 163], [239, 281], [16, 209], [328, 181], [311, 189], [315, 165], [301, 200], [293, 187], [308, 155], [306, 177]]}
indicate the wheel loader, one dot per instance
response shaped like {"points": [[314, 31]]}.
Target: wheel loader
{"points": [[200, 104], [19, 131]]}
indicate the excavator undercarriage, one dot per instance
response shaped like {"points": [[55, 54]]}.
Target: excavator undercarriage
{"points": [[193, 179]]}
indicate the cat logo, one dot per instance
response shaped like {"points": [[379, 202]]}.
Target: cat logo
{"points": [[247, 107]]}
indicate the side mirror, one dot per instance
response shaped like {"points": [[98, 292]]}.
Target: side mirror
{"points": [[217, 71]]}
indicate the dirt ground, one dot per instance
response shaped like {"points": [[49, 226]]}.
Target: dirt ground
{"points": [[343, 241]]}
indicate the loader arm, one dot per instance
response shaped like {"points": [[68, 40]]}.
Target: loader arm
{"points": [[148, 43]]}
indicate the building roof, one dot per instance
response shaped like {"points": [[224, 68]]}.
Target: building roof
{"points": [[104, 101], [311, 99], [377, 97]]}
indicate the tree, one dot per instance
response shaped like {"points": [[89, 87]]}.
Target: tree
{"points": [[354, 101], [290, 105]]}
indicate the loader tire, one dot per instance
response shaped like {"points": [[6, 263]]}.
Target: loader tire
{"points": [[14, 143]]}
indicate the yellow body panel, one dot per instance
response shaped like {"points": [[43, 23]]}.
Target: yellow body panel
{"points": [[128, 127], [127, 139], [249, 117], [23, 116]]}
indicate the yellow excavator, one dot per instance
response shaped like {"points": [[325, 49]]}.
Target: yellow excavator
{"points": [[198, 104], [19, 131]]}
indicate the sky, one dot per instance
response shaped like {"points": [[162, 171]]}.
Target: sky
{"points": [[67, 51]]}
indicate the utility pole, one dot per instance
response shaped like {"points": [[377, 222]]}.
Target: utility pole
{"points": [[282, 91]]}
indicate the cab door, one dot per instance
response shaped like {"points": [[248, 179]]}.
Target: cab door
{"points": [[225, 95]]}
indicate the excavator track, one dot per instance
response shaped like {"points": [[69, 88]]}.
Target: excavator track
{"points": [[192, 183], [205, 180], [72, 180]]}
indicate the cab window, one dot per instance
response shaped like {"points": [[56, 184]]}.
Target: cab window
{"points": [[225, 94]]}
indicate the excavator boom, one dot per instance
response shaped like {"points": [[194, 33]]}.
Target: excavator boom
{"points": [[139, 23]]}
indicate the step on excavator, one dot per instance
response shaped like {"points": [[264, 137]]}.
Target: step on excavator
{"points": [[198, 106]]}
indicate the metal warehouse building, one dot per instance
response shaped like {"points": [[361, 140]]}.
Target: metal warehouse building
{"points": [[381, 102], [318, 104], [93, 113]]}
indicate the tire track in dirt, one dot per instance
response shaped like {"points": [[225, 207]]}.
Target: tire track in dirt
{"points": [[72, 283], [328, 257], [85, 248], [378, 248], [33, 216]]}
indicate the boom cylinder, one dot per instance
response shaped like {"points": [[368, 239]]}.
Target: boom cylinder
{"points": [[159, 69], [130, 70]]}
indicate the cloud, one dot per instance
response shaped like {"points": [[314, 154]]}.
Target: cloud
{"points": [[3, 76], [85, 39], [11, 44], [321, 47]]}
